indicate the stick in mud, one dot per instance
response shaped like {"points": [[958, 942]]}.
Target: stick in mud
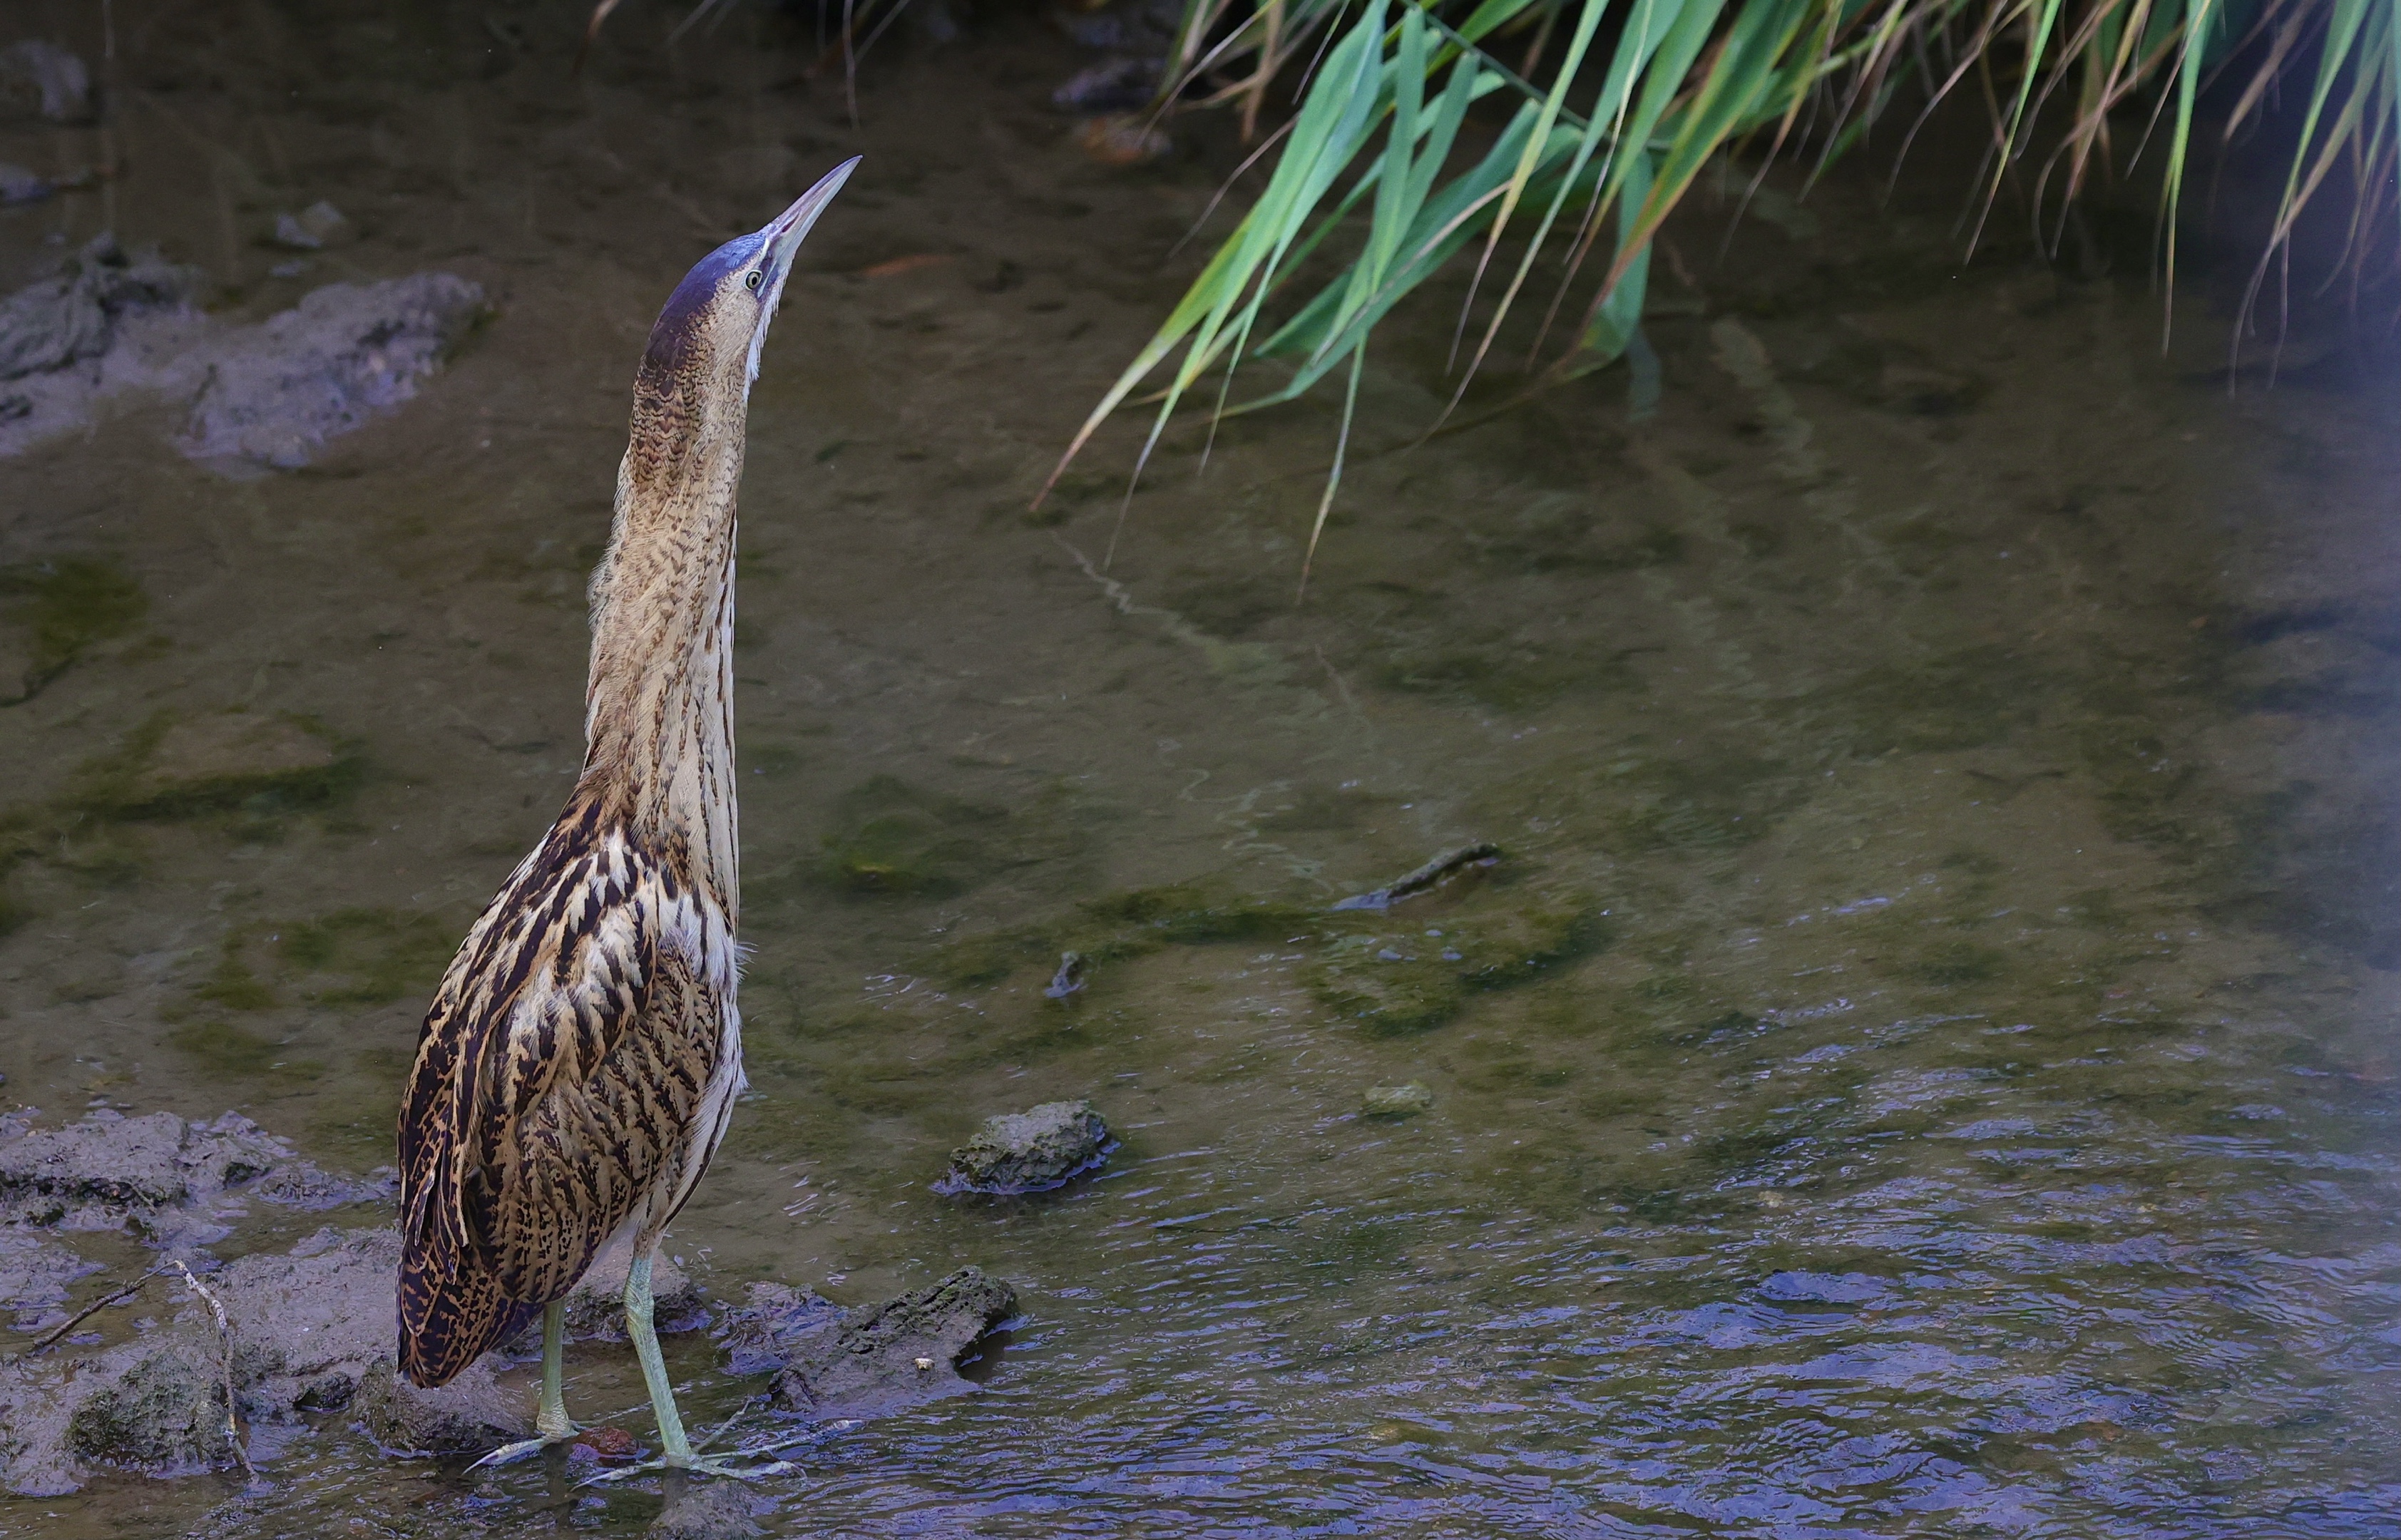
{"points": [[1482, 854], [88, 1312], [225, 1342]]}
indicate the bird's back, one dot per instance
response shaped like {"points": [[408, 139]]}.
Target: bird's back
{"points": [[573, 1075]]}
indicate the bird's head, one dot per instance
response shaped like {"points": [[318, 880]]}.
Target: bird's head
{"points": [[705, 342]]}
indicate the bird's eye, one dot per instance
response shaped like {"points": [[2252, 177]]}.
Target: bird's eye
{"points": [[752, 279]]}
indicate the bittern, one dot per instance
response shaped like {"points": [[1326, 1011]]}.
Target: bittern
{"points": [[583, 1056]]}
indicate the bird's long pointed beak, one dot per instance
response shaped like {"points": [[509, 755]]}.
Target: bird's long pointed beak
{"points": [[786, 231]]}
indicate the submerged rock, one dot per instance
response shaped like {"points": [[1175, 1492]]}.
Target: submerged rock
{"points": [[311, 1331], [347, 352], [1029, 1151], [311, 228], [1422, 976], [218, 758], [871, 1361], [1405, 1100], [1115, 85]]}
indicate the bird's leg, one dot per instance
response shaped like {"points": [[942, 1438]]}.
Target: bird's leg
{"points": [[677, 1447], [550, 1422], [676, 1450]]}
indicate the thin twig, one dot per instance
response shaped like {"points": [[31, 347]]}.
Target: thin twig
{"points": [[91, 1310], [225, 1342]]}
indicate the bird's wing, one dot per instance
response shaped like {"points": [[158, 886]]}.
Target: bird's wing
{"points": [[563, 1063]]}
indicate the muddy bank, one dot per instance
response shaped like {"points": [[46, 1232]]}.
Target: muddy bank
{"points": [[231, 1364]]}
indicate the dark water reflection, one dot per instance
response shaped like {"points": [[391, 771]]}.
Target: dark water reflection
{"points": [[1961, 736]]}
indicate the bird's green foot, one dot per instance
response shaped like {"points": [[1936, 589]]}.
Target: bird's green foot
{"points": [[524, 1448]]}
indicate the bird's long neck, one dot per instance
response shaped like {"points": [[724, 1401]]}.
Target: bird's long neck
{"points": [[659, 720]]}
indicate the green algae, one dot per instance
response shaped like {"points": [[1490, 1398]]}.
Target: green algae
{"points": [[1418, 978], [294, 764], [61, 607], [1120, 926], [1503, 676], [367, 956], [1964, 699], [232, 985], [1389, 997], [894, 838], [223, 1048]]}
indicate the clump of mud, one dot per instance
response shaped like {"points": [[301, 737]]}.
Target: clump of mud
{"points": [[871, 1361], [111, 324], [275, 393]]}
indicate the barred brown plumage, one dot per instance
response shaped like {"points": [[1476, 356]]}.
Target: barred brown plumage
{"points": [[582, 1054]]}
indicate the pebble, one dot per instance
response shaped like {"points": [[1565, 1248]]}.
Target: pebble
{"points": [[1404, 1100]]}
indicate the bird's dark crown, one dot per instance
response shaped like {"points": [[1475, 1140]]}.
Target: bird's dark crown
{"points": [[678, 331]]}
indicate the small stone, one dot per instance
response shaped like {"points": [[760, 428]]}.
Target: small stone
{"points": [[924, 1365], [1029, 1151], [610, 1446], [1404, 1100], [311, 228], [1123, 141]]}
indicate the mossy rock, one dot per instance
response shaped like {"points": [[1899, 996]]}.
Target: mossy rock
{"points": [[893, 838], [1239, 921], [986, 958], [165, 1410], [219, 762], [1185, 914], [1498, 947], [59, 608], [1419, 976]]}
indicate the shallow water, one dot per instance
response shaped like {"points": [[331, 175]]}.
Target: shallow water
{"points": [[1946, 755]]}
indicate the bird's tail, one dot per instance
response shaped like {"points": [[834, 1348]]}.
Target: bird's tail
{"points": [[451, 1312]]}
